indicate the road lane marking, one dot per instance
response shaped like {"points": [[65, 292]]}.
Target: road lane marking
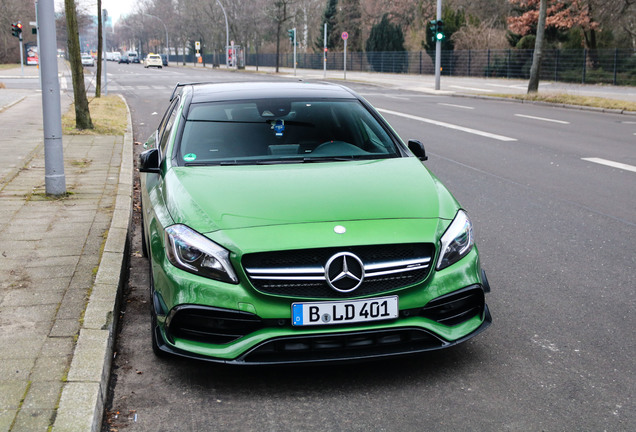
{"points": [[611, 164], [448, 125], [456, 106], [542, 119], [397, 97], [472, 88]]}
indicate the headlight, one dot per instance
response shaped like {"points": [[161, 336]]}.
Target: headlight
{"points": [[457, 241], [194, 253]]}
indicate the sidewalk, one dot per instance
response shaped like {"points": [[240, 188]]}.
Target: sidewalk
{"points": [[61, 262]]}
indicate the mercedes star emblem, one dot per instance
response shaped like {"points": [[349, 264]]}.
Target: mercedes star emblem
{"points": [[344, 272]]}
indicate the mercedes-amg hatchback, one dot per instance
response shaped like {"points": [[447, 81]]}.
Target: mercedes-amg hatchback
{"points": [[288, 223]]}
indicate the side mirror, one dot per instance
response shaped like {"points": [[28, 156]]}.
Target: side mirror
{"points": [[149, 161], [418, 149]]}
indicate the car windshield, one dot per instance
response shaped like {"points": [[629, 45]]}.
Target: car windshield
{"points": [[281, 131]]}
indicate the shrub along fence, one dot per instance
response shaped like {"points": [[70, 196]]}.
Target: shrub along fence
{"points": [[613, 66]]}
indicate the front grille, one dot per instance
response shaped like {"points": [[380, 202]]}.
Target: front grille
{"points": [[301, 273], [344, 346], [210, 325]]}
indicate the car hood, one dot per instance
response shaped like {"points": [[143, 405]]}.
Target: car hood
{"points": [[212, 198]]}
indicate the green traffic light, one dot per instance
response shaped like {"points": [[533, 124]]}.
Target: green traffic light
{"points": [[439, 36]]}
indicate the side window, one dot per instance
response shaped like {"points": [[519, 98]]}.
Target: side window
{"points": [[166, 126]]}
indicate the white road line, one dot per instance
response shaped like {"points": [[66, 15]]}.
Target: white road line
{"points": [[611, 164], [542, 119], [456, 106], [472, 88], [397, 97], [448, 125]]}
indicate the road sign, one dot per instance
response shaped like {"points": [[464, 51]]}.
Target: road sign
{"points": [[345, 35], [197, 45]]}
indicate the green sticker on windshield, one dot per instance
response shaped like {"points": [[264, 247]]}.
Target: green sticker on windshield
{"points": [[189, 157]]}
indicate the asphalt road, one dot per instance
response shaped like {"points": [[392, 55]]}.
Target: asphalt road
{"points": [[555, 220]]}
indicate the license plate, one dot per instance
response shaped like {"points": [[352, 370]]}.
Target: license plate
{"points": [[344, 312]]}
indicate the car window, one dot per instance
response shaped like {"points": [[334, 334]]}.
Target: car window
{"points": [[282, 130], [166, 126]]}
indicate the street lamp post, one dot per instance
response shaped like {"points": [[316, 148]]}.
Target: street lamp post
{"points": [[227, 34], [166, 29]]}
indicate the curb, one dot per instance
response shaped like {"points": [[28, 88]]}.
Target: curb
{"points": [[81, 406], [10, 104]]}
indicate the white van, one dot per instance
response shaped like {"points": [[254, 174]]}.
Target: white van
{"points": [[133, 57]]}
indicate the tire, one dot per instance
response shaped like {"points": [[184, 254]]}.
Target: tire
{"points": [[144, 243]]}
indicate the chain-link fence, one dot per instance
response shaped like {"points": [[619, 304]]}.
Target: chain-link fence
{"points": [[615, 66]]}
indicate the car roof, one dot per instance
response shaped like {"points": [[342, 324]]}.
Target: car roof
{"points": [[265, 90]]}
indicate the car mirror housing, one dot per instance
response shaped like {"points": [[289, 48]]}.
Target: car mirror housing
{"points": [[149, 161], [418, 149]]}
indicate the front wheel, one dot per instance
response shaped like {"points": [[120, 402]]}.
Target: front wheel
{"points": [[144, 243]]}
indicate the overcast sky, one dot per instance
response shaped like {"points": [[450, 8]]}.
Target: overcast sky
{"points": [[115, 8]]}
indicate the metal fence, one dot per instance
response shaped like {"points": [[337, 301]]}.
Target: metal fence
{"points": [[615, 66]]}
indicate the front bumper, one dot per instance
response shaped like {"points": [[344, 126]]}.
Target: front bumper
{"points": [[234, 337]]}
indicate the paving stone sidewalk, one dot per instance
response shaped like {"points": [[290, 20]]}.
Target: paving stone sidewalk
{"points": [[60, 268]]}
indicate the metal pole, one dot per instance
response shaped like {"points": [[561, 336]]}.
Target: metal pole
{"points": [[104, 50], [227, 34], [438, 50], [324, 55], [21, 56], [55, 180], [345, 59], [294, 51]]}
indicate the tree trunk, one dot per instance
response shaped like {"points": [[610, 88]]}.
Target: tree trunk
{"points": [[100, 45], [278, 26], [533, 84], [82, 113]]}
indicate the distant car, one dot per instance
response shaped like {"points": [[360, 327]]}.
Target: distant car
{"points": [[164, 59], [88, 60], [133, 57], [153, 60], [124, 59], [289, 223]]}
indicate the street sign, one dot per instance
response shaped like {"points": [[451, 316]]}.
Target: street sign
{"points": [[197, 45], [345, 35]]}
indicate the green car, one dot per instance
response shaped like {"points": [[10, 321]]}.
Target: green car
{"points": [[288, 223]]}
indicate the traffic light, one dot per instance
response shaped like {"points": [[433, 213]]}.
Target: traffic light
{"points": [[439, 30], [16, 29], [292, 35]]}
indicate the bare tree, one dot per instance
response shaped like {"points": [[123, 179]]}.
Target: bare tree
{"points": [[82, 113], [533, 84], [279, 14]]}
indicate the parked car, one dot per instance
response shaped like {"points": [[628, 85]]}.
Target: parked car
{"points": [[124, 59], [88, 60], [289, 223], [153, 60]]}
